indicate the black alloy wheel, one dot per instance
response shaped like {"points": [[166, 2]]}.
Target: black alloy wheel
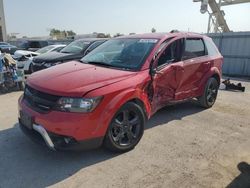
{"points": [[126, 128], [209, 96]]}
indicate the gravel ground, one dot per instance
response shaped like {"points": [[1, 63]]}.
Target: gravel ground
{"points": [[183, 146]]}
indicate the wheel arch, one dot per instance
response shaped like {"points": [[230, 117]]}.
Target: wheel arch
{"points": [[141, 104], [215, 73], [131, 95], [217, 77]]}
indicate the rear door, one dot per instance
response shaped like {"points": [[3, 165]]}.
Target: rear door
{"points": [[168, 73], [195, 64]]}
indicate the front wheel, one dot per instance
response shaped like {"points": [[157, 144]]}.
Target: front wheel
{"points": [[125, 129], [209, 96]]}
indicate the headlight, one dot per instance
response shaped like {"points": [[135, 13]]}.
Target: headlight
{"points": [[67, 104]]}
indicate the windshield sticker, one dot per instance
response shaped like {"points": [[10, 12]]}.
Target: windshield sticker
{"points": [[86, 42], [148, 40]]}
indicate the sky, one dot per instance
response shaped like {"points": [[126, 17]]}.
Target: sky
{"points": [[36, 17]]}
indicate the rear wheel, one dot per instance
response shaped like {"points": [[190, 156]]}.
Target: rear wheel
{"points": [[209, 96], [125, 129]]}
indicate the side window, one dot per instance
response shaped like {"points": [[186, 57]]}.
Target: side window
{"points": [[211, 48], [58, 49], [94, 45], [172, 53], [194, 47]]}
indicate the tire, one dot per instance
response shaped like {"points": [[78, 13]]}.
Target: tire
{"points": [[209, 96], [125, 129]]}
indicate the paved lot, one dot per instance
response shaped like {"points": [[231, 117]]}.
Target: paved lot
{"points": [[183, 146]]}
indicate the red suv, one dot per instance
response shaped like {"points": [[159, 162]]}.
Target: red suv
{"points": [[107, 96]]}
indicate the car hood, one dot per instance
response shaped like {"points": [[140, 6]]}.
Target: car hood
{"points": [[75, 79], [20, 53], [55, 57]]}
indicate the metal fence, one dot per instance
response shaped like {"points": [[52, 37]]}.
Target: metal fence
{"points": [[235, 47]]}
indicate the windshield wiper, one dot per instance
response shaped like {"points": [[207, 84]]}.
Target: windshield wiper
{"points": [[98, 63], [105, 64], [65, 52]]}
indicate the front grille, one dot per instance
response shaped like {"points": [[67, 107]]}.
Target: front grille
{"points": [[39, 101]]}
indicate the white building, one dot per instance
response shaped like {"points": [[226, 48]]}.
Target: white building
{"points": [[3, 34]]}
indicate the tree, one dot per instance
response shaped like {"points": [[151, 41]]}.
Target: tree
{"points": [[71, 33], [54, 32], [153, 30], [107, 35], [101, 35], [61, 34]]}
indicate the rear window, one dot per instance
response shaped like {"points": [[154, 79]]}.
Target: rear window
{"points": [[211, 48], [44, 49], [194, 47], [76, 47]]}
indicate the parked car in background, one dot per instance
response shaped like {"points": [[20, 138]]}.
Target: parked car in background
{"points": [[7, 48], [30, 44], [107, 97], [74, 51], [24, 57]]}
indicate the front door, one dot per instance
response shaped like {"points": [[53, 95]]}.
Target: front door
{"points": [[168, 74]]}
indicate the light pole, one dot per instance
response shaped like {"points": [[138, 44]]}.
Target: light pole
{"points": [[3, 34]]}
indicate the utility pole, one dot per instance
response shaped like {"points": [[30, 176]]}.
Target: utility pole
{"points": [[3, 33]]}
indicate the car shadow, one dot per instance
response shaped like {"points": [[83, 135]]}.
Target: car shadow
{"points": [[174, 112], [243, 180], [26, 164]]}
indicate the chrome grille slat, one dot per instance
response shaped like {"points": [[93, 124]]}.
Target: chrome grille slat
{"points": [[39, 101]]}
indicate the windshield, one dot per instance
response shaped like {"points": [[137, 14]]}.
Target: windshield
{"points": [[121, 53], [75, 47], [45, 49]]}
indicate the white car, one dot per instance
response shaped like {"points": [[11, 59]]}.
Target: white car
{"points": [[24, 57]]}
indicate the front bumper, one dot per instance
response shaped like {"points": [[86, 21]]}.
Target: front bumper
{"points": [[58, 142], [71, 131]]}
